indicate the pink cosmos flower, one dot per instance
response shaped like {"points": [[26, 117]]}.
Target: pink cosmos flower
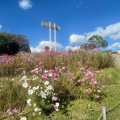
{"points": [[55, 79], [24, 72], [56, 68], [89, 74], [40, 63], [51, 71], [15, 110], [55, 107], [9, 112], [90, 83], [98, 90], [45, 76], [97, 96], [94, 82], [29, 86], [87, 90], [40, 70], [54, 98], [63, 68], [79, 81], [54, 75], [83, 80]]}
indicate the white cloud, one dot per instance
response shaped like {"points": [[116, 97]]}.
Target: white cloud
{"points": [[116, 36], [0, 26], [25, 4], [112, 31], [36, 49], [114, 46], [98, 31], [76, 39], [43, 44], [67, 48]]}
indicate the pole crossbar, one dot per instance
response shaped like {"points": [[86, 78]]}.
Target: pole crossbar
{"points": [[51, 26]]}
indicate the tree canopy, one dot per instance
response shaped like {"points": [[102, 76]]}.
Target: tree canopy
{"points": [[13, 43], [98, 41], [88, 46]]}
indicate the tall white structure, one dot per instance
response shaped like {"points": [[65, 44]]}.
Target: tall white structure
{"points": [[51, 26]]}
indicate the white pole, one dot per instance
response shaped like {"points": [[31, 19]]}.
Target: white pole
{"points": [[104, 113], [50, 34], [55, 36]]}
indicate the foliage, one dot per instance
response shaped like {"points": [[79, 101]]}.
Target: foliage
{"points": [[56, 85], [22, 41], [8, 46], [14, 65], [98, 41], [12, 43], [88, 46], [46, 91]]}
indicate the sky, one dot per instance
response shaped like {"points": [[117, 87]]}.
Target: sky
{"points": [[78, 21]]}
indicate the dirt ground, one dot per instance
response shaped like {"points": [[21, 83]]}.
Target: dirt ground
{"points": [[117, 58]]}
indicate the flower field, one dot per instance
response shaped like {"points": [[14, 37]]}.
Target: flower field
{"points": [[54, 85]]}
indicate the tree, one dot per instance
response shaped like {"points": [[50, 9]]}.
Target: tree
{"points": [[12, 43], [22, 42], [9, 47], [88, 46], [98, 41]]}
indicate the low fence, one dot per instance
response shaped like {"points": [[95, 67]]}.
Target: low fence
{"points": [[103, 116]]}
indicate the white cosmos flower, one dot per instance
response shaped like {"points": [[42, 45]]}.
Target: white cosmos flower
{"points": [[23, 118], [54, 98], [43, 95], [25, 85], [38, 87], [48, 92], [34, 105], [41, 88], [36, 69], [37, 109], [24, 77], [35, 88], [45, 71], [50, 87], [35, 77], [57, 109], [39, 113], [46, 83], [45, 91], [29, 102], [30, 91], [50, 74], [57, 104], [12, 79]]}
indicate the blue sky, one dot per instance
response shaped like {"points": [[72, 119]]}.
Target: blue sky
{"points": [[78, 21]]}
